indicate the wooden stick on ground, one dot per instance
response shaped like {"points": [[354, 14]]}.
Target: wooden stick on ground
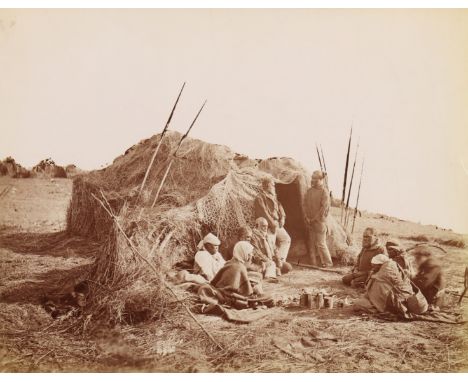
{"points": [[136, 252], [318, 268]]}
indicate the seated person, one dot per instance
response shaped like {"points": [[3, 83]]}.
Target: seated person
{"points": [[370, 247], [267, 205], [233, 277], [429, 278], [398, 254], [264, 250], [243, 234], [389, 289], [208, 261]]}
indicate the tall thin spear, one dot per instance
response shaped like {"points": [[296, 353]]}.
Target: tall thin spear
{"points": [[323, 159], [324, 167], [318, 155], [174, 155], [358, 193], [346, 174], [160, 141], [350, 187]]}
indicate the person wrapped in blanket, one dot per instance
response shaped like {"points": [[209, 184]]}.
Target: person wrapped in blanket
{"points": [[389, 289], [371, 247], [264, 259], [429, 278], [234, 285]]}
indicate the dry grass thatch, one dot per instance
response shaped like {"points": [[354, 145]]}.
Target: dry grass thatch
{"points": [[9, 167]]}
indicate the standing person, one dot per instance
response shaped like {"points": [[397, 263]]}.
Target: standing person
{"points": [[267, 206], [370, 247], [429, 278], [208, 261], [316, 209]]}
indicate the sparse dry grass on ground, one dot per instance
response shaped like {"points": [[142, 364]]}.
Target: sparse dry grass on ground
{"points": [[35, 259]]}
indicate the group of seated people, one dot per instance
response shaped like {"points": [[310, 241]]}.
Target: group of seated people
{"points": [[391, 284], [253, 258]]}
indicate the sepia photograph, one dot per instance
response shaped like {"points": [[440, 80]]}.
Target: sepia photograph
{"points": [[233, 190]]}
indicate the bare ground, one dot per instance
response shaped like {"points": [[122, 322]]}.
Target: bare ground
{"points": [[32, 213]]}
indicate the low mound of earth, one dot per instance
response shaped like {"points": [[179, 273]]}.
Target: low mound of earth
{"points": [[33, 212]]}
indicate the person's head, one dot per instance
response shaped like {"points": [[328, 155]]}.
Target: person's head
{"points": [[421, 254], [244, 233], [242, 252], [261, 224], [377, 261], [268, 185], [394, 248], [369, 237], [317, 178], [211, 243]]}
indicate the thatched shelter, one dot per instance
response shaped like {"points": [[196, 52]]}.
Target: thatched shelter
{"points": [[209, 189]]}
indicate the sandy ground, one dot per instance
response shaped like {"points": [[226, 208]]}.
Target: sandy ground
{"points": [[287, 338]]}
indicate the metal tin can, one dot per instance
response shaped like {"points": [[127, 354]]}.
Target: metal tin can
{"points": [[319, 300], [330, 302], [303, 299], [310, 301]]}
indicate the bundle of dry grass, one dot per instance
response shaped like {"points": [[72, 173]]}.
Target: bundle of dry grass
{"points": [[451, 240], [205, 192], [48, 168], [72, 170], [9, 167]]}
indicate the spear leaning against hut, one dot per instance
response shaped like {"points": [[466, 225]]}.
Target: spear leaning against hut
{"points": [[350, 188], [159, 143], [325, 168], [320, 159], [358, 193], [174, 155], [345, 175], [138, 254]]}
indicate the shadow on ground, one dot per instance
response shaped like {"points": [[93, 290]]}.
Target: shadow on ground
{"points": [[56, 244]]}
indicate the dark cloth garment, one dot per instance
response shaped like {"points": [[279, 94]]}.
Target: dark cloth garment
{"points": [[363, 266], [233, 277], [267, 206], [316, 204], [363, 263], [430, 280]]}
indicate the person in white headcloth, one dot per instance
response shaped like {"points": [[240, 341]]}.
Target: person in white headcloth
{"points": [[208, 261]]}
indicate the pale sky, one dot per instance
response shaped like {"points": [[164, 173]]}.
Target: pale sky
{"points": [[81, 86]]}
